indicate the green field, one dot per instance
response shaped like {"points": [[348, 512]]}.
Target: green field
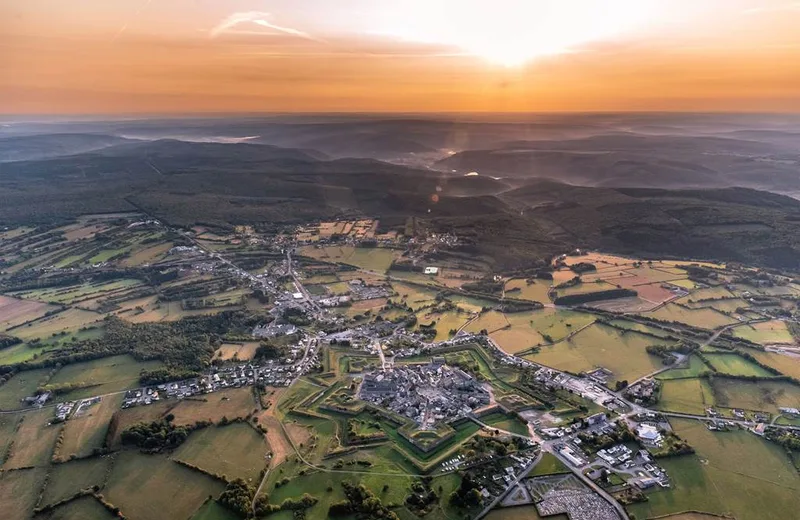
{"points": [[549, 465], [695, 368], [23, 384], [765, 396], [686, 396], [235, 451], [85, 433], [19, 491], [599, 345], [212, 510], [506, 422], [765, 333], [69, 478], [34, 440], [524, 330], [152, 486], [413, 296], [86, 508], [735, 365], [733, 473]]}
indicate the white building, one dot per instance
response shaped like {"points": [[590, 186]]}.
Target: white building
{"points": [[649, 434]]}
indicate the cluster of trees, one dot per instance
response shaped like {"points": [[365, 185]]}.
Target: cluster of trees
{"points": [[788, 439], [611, 294], [595, 442], [296, 317], [467, 495], [8, 341], [268, 350], [159, 435], [583, 267], [422, 498], [362, 502]]}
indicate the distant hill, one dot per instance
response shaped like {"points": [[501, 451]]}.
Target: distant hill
{"points": [[511, 221], [45, 146]]}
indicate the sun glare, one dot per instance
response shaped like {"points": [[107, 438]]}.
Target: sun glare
{"points": [[513, 32]]}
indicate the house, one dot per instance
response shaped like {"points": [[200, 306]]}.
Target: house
{"points": [[432, 270]]}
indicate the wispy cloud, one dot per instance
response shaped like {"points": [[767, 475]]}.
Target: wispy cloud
{"points": [[258, 18]]}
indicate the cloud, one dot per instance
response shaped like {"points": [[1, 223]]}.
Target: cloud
{"points": [[259, 18]]}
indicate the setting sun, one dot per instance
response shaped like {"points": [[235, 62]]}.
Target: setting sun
{"points": [[513, 32]]}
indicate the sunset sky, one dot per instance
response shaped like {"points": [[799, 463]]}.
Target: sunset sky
{"points": [[188, 56]]}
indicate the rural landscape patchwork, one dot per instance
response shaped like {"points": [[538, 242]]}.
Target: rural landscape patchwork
{"points": [[400, 260], [393, 356]]}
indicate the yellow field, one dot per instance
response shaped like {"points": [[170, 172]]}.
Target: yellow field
{"points": [[412, 295], [445, 322], [242, 351], [686, 396], [787, 364], [704, 318], [602, 346], [535, 291], [370, 258]]}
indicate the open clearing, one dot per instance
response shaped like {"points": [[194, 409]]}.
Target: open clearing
{"points": [[232, 403], [70, 320], [236, 451], [152, 486], [765, 333], [242, 351], [733, 473], [786, 364], [370, 258]]}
